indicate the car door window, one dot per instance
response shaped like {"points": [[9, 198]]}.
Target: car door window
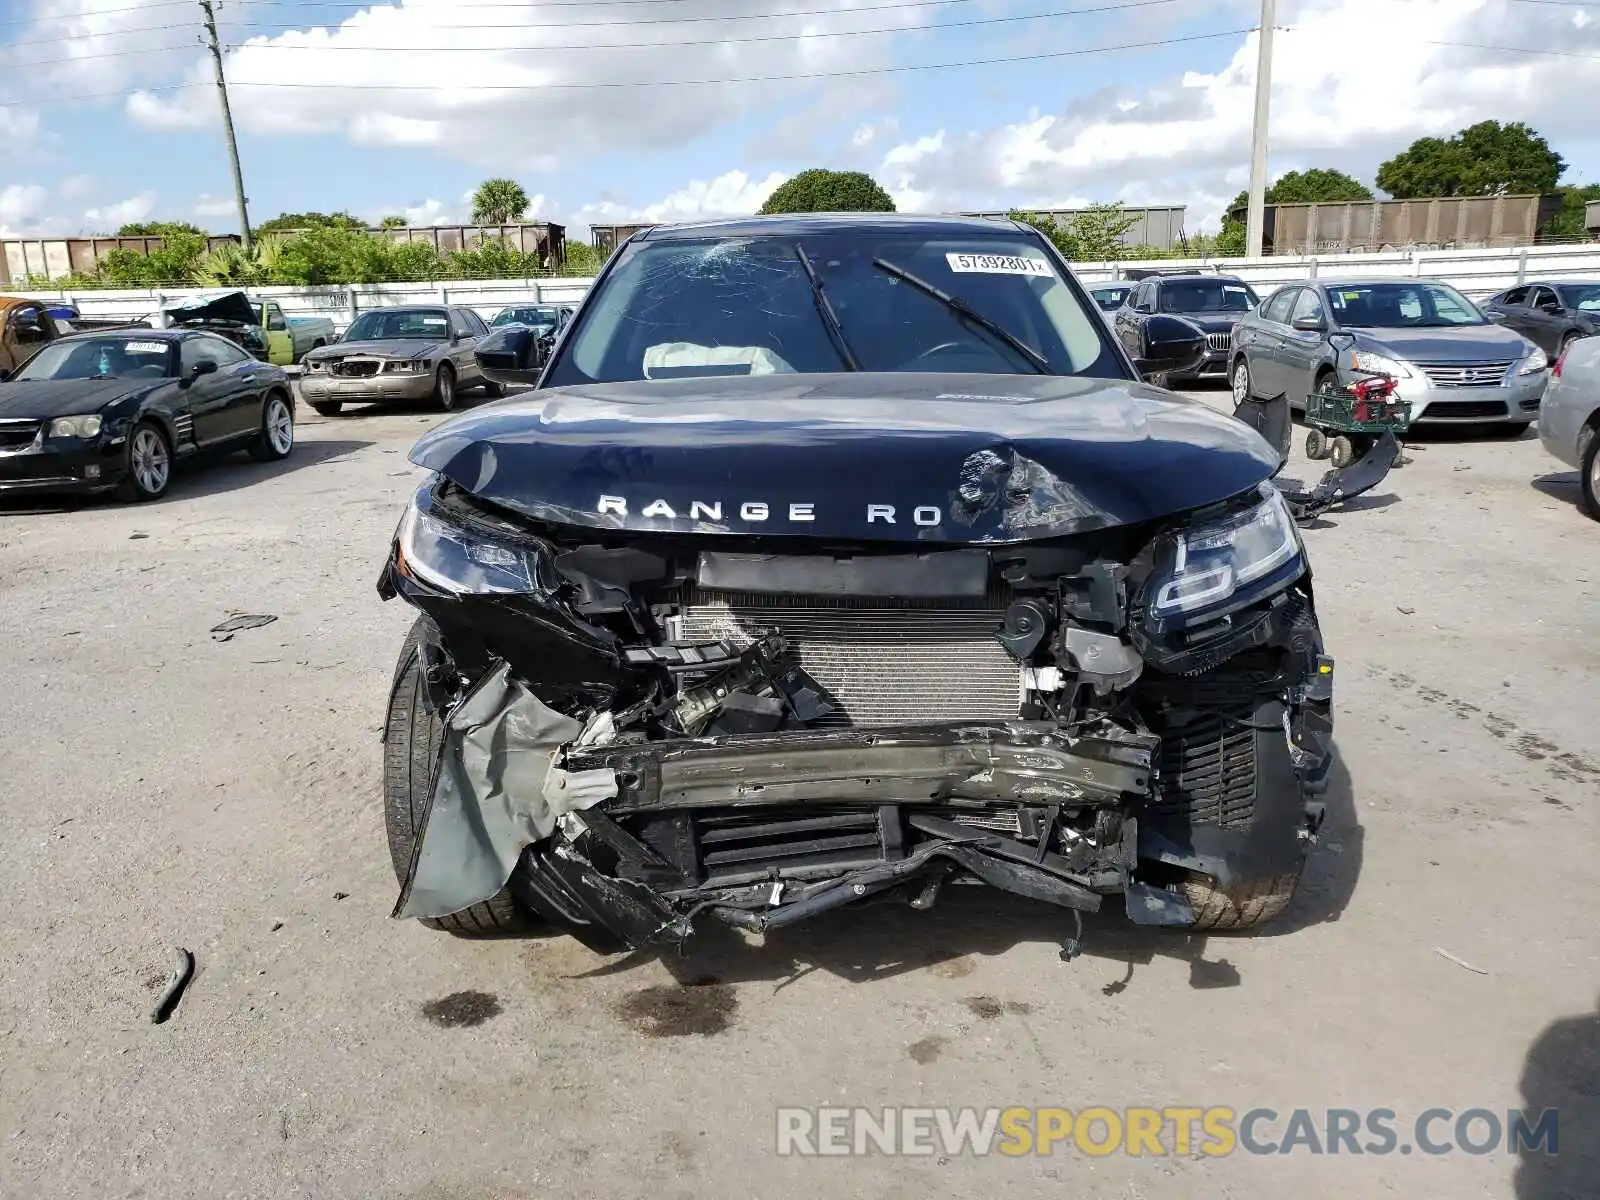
{"points": [[1144, 300], [1544, 299], [459, 324], [1277, 309], [1515, 298], [213, 349], [1308, 304]]}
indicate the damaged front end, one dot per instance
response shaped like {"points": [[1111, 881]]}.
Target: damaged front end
{"points": [[644, 729]]}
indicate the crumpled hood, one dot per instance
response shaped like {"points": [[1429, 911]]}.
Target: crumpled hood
{"points": [[213, 306], [1466, 343], [378, 348], [46, 398], [890, 457]]}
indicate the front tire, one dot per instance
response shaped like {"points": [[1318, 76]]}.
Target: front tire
{"points": [[1244, 906], [1341, 452], [444, 388], [1591, 476], [1243, 386], [149, 464], [412, 738], [276, 438], [1316, 444]]}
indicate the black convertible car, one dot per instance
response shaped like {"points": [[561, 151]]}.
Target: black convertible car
{"points": [[103, 411], [848, 557]]}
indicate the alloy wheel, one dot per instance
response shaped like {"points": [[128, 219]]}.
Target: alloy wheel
{"points": [[152, 465], [1241, 382], [280, 426]]}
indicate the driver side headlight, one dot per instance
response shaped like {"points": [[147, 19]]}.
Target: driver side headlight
{"points": [[463, 561], [1369, 363], [1220, 565], [76, 427]]}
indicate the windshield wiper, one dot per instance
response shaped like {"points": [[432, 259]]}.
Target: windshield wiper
{"points": [[967, 313], [825, 310]]}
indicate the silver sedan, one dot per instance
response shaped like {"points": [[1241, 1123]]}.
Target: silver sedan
{"points": [[1452, 364], [1569, 418]]}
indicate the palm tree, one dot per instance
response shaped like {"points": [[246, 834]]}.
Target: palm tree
{"points": [[499, 202]]}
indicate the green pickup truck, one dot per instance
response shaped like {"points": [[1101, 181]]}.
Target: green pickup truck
{"points": [[259, 326]]}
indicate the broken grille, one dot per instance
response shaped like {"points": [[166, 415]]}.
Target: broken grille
{"points": [[355, 368], [883, 665], [18, 434]]}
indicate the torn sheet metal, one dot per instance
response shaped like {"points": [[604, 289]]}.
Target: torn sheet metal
{"points": [[497, 791], [937, 457]]}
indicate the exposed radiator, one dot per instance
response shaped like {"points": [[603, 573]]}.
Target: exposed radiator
{"points": [[883, 665]]}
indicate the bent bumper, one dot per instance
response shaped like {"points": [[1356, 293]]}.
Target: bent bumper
{"points": [[366, 389], [71, 466]]}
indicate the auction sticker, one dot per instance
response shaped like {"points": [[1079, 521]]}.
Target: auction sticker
{"points": [[144, 347], [999, 264]]}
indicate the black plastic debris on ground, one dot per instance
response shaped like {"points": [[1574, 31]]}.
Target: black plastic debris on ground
{"points": [[237, 624]]}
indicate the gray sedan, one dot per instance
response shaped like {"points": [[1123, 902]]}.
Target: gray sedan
{"points": [[1451, 363], [1569, 419], [389, 354]]}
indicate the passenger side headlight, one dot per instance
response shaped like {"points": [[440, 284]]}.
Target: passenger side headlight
{"points": [[1378, 364], [410, 367], [463, 561], [1537, 361], [76, 427], [1223, 563]]}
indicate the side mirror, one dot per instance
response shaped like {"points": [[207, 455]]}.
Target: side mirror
{"points": [[510, 354], [206, 366], [1169, 344], [1309, 324], [1494, 314]]}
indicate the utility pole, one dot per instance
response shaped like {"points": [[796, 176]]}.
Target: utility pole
{"points": [[208, 7], [1255, 223]]}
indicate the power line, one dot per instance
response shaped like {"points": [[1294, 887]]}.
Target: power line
{"points": [[1514, 49], [654, 45], [651, 83], [814, 12], [102, 12], [51, 41]]}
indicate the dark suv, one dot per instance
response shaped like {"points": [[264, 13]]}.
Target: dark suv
{"points": [[1213, 302]]}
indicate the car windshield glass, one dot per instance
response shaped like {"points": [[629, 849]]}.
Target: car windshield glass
{"points": [[101, 358], [1400, 306], [380, 324], [1109, 298], [746, 306], [1205, 296], [1585, 297], [525, 316]]}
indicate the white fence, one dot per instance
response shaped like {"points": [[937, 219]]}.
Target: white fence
{"points": [[1478, 273]]}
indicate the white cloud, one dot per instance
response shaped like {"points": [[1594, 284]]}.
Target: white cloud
{"points": [[731, 194], [108, 218], [75, 187], [1354, 81], [19, 205], [214, 206], [545, 106]]}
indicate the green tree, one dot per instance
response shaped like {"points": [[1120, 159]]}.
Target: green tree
{"points": [[158, 229], [393, 222], [493, 258], [1569, 223], [1094, 234], [1315, 186], [499, 202], [292, 222], [819, 190], [1486, 159], [174, 263], [333, 254], [583, 259]]}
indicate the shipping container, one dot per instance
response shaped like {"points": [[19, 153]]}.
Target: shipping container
{"points": [[1437, 223], [1160, 226]]}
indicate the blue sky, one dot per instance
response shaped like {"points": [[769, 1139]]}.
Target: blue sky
{"points": [[107, 112]]}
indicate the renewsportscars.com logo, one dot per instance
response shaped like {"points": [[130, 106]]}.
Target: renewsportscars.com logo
{"points": [[1157, 1132]]}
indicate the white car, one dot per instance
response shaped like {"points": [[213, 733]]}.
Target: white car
{"points": [[1569, 416]]}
